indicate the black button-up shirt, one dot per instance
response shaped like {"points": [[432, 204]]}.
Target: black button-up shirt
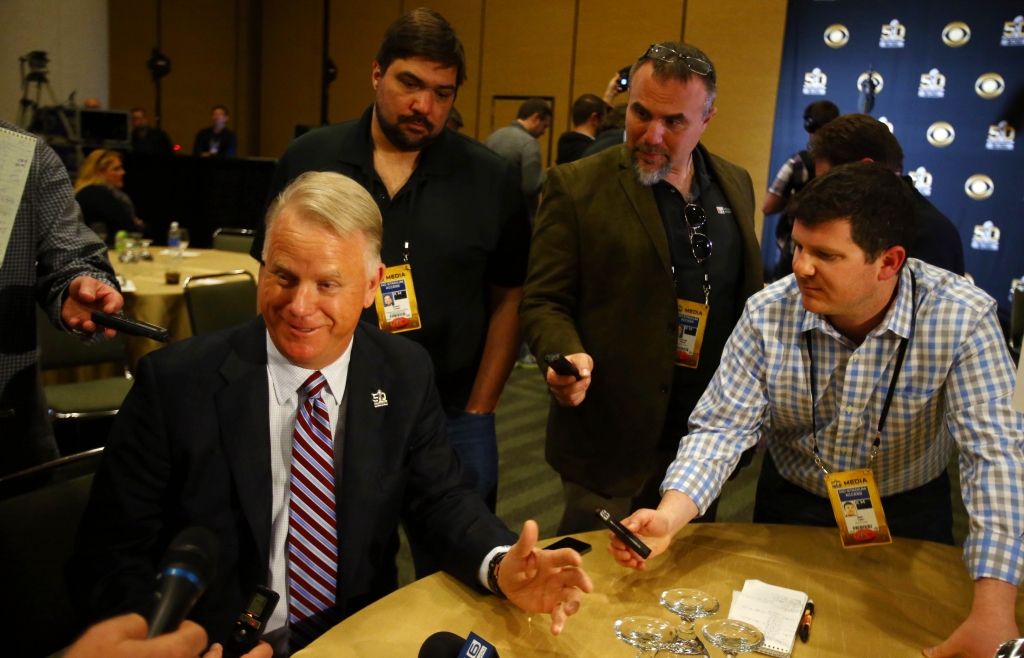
{"points": [[725, 271]]}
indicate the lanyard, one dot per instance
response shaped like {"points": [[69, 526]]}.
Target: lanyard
{"points": [[904, 342]]}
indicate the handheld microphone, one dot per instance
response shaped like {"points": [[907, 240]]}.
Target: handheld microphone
{"points": [[187, 568], [449, 645]]}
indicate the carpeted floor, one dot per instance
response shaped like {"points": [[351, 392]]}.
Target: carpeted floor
{"points": [[529, 489]]}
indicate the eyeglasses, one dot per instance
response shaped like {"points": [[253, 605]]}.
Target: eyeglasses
{"points": [[666, 54], [700, 244]]}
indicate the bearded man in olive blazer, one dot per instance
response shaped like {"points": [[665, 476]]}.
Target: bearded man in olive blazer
{"points": [[620, 236]]}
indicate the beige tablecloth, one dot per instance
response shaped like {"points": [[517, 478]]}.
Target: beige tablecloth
{"points": [[163, 304], [881, 602]]}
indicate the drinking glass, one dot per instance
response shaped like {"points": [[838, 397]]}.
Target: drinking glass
{"points": [[184, 238], [733, 637], [646, 634], [689, 604], [145, 254]]}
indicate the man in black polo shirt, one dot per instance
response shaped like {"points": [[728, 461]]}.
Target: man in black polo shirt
{"points": [[624, 239], [452, 211]]}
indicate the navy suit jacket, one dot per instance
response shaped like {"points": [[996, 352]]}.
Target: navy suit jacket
{"points": [[191, 446]]}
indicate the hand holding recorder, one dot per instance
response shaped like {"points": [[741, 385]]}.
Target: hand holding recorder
{"points": [[655, 528], [569, 389]]}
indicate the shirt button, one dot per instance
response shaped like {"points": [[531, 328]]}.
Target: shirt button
{"points": [[849, 410], [855, 357], [663, 388], [844, 450]]}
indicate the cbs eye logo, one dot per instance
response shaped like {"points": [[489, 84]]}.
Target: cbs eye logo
{"points": [[956, 34], [989, 85], [836, 35], [979, 186], [941, 134]]}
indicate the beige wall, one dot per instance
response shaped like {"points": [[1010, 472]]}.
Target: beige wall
{"points": [[270, 73], [72, 32]]}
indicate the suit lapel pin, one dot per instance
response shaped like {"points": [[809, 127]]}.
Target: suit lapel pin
{"points": [[380, 399]]}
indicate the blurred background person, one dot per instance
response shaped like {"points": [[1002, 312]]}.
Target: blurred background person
{"points": [[92, 103], [517, 143], [146, 138], [98, 192], [587, 113], [218, 140], [611, 132], [455, 120], [794, 174]]}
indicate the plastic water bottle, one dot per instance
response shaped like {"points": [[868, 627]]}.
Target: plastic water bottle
{"points": [[174, 236]]}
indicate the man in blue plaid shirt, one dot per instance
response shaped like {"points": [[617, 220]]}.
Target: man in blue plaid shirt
{"points": [[858, 296]]}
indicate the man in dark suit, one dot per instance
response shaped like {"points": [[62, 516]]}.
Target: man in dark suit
{"points": [[622, 239], [300, 439], [860, 137]]}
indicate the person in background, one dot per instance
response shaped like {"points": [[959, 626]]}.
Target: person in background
{"points": [[518, 144], [859, 137], [92, 103], [147, 139], [218, 140], [622, 239], [453, 211], [98, 192], [455, 120], [587, 114], [54, 261], [795, 172], [854, 305], [611, 132]]}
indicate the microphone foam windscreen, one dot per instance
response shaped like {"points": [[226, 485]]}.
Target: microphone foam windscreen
{"points": [[442, 645]]}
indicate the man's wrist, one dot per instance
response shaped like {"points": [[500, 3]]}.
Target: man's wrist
{"points": [[679, 508], [493, 569]]}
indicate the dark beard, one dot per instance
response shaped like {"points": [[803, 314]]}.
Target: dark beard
{"points": [[395, 135]]}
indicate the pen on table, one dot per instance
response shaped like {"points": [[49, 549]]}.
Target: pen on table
{"points": [[805, 622]]}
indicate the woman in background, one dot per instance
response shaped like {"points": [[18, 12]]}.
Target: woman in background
{"points": [[98, 192]]}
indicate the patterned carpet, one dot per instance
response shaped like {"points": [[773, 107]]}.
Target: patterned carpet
{"points": [[529, 489]]}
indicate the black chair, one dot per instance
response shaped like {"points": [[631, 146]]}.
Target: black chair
{"points": [[233, 239], [88, 399], [219, 301], [40, 510]]}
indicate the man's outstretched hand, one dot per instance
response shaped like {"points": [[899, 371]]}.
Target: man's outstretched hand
{"points": [[656, 528], [543, 581], [85, 295]]}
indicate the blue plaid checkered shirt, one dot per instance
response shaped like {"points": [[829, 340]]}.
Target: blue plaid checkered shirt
{"points": [[955, 389]]}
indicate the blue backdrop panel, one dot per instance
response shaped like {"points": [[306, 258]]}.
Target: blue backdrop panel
{"points": [[936, 61]]}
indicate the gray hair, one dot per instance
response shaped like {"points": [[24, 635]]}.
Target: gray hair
{"points": [[335, 202], [678, 70]]}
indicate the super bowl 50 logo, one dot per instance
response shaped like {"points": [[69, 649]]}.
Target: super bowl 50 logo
{"points": [[986, 237], [922, 181], [1013, 32], [815, 82], [933, 85], [894, 35], [1000, 137]]}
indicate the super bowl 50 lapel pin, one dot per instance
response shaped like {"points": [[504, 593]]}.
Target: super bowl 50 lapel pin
{"points": [[380, 399]]}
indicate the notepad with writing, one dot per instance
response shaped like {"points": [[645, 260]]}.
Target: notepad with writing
{"points": [[775, 611]]}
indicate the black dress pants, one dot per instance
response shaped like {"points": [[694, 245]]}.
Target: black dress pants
{"points": [[922, 513]]}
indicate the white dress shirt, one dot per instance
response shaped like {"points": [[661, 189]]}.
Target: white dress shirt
{"points": [[284, 381]]}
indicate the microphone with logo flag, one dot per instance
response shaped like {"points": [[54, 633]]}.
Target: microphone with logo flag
{"points": [[449, 645], [187, 568]]}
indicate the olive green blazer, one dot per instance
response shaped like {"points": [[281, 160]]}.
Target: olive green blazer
{"points": [[600, 282]]}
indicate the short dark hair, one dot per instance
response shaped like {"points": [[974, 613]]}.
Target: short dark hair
{"points": [[615, 118], [137, 109], [678, 70], [853, 137], [586, 106], [423, 33], [220, 107], [818, 113], [534, 106], [878, 205]]}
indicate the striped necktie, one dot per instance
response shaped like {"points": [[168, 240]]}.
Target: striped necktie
{"points": [[312, 525]]}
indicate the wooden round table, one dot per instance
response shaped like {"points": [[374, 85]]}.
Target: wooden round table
{"points": [[882, 601], [157, 302]]}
